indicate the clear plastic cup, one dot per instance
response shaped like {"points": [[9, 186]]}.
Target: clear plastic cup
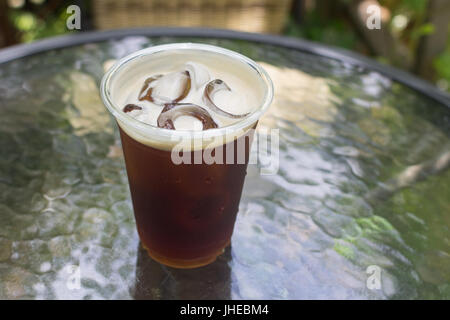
{"points": [[185, 185]]}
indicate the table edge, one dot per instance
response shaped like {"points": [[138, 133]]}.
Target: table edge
{"points": [[424, 87]]}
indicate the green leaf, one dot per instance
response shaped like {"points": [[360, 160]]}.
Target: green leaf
{"points": [[423, 30]]}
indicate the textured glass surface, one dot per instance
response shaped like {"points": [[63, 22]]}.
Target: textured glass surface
{"points": [[363, 181]]}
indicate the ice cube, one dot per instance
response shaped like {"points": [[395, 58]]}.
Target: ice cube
{"points": [[188, 123], [172, 112], [199, 74], [220, 98], [172, 87], [169, 88]]}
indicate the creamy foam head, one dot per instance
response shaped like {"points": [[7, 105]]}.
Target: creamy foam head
{"points": [[238, 98], [226, 89]]}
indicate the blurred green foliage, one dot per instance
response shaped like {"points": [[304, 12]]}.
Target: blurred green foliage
{"points": [[326, 22], [407, 24], [317, 28], [32, 26], [442, 65]]}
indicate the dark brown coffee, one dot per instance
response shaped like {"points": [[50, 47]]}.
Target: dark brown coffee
{"points": [[185, 213]]}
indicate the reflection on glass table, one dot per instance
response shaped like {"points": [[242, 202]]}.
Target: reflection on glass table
{"points": [[362, 181]]}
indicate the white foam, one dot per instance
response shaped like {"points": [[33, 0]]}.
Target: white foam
{"points": [[246, 95], [239, 100], [187, 123]]}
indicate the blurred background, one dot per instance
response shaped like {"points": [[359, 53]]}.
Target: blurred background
{"points": [[414, 34]]}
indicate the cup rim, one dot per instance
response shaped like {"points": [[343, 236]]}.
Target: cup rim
{"points": [[153, 131]]}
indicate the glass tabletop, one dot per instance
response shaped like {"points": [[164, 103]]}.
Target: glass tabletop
{"points": [[359, 207]]}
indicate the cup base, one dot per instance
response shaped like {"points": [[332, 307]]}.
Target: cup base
{"points": [[185, 263]]}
